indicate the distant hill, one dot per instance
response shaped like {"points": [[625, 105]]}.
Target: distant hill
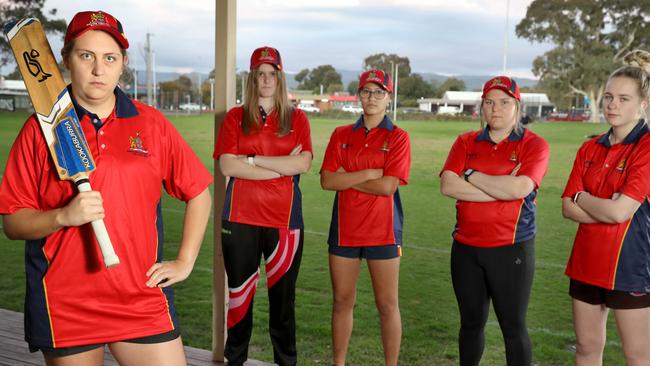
{"points": [[472, 82]]}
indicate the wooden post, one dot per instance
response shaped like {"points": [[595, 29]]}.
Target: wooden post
{"points": [[224, 77]]}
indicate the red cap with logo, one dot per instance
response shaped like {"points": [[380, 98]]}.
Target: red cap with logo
{"points": [[96, 20], [378, 77], [266, 55], [504, 83]]}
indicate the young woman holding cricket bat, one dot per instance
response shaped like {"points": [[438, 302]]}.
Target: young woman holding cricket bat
{"points": [[74, 306], [608, 194], [494, 175], [263, 147], [365, 163]]}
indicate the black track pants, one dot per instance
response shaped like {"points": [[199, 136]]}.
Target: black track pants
{"points": [[243, 247], [505, 275]]}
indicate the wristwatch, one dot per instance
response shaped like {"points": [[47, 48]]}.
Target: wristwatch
{"points": [[251, 159], [467, 173]]}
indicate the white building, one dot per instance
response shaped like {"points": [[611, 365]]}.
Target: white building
{"points": [[13, 95], [536, 105]]}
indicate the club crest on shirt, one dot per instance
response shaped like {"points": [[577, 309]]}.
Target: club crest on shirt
{"points": [[621, 165], [346, 146], [384, 147], [136, 146], [513, 156]]}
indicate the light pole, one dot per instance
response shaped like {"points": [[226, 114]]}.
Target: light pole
{"points": [[505, 41], [396, 82], [211, 94]]}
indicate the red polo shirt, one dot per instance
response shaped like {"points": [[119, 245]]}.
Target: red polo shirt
{"points": [[613, 256], [498, 223], [72, 299], [273, 202], [358, 218]]}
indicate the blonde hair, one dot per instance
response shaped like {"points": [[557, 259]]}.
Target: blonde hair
{"points": [[251, 118], [637, 68], [518, 126]]}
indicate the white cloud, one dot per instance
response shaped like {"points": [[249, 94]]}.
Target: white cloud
{"points": [[450, 37]]}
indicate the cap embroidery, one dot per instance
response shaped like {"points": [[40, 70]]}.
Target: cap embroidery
{"points": [[96, 19]]}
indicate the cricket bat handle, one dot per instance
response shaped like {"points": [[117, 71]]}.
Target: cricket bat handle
{"points": [[105, 245]]}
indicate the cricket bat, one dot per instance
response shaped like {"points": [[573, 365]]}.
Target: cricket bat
{"points": [[56, 115]]}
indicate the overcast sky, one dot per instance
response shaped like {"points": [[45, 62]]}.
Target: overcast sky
{"points": [[440, 36]]}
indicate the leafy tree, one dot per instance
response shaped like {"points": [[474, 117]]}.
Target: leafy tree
{"points": [[353, 86], [325, 75], [415, 86], [383, 61], [333, 88], [591, 37], [18, 9], [177, 90], [412, 88], [128, 76], [301, 75], [451, 84]]}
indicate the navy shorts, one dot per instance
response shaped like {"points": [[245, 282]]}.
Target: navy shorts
{"points": [[68, 351], [613, 299], [372, 252]]}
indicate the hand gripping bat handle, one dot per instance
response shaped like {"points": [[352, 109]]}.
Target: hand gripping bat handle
{"points": [[110, 258]]}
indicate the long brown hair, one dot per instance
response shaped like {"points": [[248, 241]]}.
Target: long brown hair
{"points": [[251, 119]]}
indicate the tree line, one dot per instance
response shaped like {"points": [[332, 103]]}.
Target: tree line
{"points": [[589, 38]]}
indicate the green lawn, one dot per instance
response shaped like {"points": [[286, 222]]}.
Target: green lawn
{"points": [[429, 313]]}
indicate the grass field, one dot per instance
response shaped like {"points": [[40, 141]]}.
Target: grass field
{"points": [[429, 313]]}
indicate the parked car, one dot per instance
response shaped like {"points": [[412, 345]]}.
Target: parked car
{"points": [[409, 110], [352, 109], [310, 108], [194, 107], [575, 115], [453, 110]]}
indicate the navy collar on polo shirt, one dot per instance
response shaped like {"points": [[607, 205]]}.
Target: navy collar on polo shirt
{"points": [[633, 137], [124, 106], [516, 134], [386, 124]]}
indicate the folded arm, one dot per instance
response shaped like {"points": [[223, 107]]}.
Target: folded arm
{"points": [[298, 162], [503, 187], [573, 212], [451, 185], [384, 186], [342, 180], [237, 166], [616, 210]]}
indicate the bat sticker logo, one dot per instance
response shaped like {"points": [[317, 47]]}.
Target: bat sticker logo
{"points": [[77, 144], [34, 66]]}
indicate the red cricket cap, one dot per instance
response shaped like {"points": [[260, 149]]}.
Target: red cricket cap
{"points": [[266, 55], [504, 83], [378, 77], [96, 20]]}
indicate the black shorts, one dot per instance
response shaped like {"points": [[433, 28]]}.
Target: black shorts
{"points": [[372, 252], [68, 351], [613, 299]]}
